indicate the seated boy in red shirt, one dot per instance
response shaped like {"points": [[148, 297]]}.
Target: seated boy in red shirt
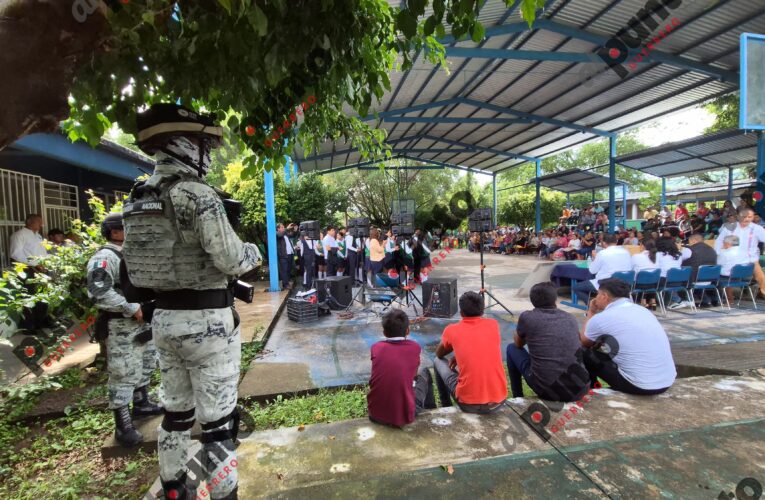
{"points": [[478, 383], [397, 389]]}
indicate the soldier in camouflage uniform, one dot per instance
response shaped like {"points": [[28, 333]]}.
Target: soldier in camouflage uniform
{"points": [[180, 244], [130, 352]]}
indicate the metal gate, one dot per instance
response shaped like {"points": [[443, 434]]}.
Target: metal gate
{"points": [[24, 194], [61, 205], [20, 195]]}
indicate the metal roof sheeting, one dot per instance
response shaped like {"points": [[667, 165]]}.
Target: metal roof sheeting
{"points": [[728, 148], [697, 61], [574, 181]]}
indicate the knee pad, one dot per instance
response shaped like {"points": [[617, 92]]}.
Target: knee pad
{"points": [[178, 421], [210, 435]]}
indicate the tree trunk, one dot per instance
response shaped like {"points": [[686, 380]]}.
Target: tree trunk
{"points": [[43, 45]]}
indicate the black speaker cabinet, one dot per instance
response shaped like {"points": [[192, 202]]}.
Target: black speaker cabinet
{"points": [[340, 287], [439, 297]]}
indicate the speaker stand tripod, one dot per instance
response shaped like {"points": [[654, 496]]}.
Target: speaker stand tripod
{"points": [[360, 258], [484, 291]]}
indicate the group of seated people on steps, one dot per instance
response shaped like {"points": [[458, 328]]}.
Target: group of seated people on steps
{"points": [[620, 342]]}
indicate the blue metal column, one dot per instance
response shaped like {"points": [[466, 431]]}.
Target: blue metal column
{"points": [[624, 206], [297, 171], [273, 259], [759, 206], [611, 183], [568, 200], [730, 183], [494, 190], [593, 196], [538, 204], [287, 169], [663, 192]]}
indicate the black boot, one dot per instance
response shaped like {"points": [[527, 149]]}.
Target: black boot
{"points": [[142, 405], [175, 489], [125, 433]]}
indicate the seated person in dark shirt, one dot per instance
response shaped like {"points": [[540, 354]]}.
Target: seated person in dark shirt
{"points": [[475, 376], [553, 365], [397, 389]]}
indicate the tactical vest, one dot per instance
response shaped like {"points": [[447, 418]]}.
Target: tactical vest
{"points": [[160, 252]]}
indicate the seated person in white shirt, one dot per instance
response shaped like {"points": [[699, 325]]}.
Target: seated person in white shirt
{"points": [[26, 244], [612, 259], [574, 244], [646, 261], [750, 235], [669, 256], [729, 256], [27, 247], [639, 360]]}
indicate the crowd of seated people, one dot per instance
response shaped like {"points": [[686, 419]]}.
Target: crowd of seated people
{"points": [[738, 243], [620, 343]]}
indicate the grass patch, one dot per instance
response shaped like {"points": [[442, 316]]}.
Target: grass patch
{"points": [[324, 407], [250, 351]]}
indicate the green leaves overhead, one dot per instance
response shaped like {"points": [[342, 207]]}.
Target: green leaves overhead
{"points": [[259, 60]]}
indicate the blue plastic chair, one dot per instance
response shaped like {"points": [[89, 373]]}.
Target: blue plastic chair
{"points": [[677, 281], [708, 278], [646, 281], [740, 277], [627, 276], [386, 290]]}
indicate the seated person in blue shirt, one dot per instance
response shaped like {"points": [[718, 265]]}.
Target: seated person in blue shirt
{"points": [[552, 366]]}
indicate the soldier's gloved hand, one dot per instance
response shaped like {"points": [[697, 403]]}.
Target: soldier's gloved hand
{"points": [[138, 315]]}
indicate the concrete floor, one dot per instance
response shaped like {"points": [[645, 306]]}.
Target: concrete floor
{"points": [[335, 352]]}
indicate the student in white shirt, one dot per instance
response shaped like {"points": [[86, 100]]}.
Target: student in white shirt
{"points": [[612, 259], [639, 359], [750, 235], [26, 245], [669, 256], [330, 251], [645, 260]]}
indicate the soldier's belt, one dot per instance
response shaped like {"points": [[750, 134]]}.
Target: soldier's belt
{"points": [[195, 299]]}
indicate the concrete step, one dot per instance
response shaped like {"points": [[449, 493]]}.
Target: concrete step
{"points": [[306, 459]]}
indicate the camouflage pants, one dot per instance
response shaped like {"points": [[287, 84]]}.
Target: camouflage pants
{"points": [[199, 357], [130, 362]]}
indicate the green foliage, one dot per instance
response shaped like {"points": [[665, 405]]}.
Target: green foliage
{"points": [[309, 198], [326, 406], [593, 155], [63, 284], [519, 208], [250, 350], [263, 59], [370, 193], [726, 111]]}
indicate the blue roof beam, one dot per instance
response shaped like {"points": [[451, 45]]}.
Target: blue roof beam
{"points": [[410, 109], [448, 165], [526, 55], [537, 118], [445, 119], [655, 55], [497, 152], [352, 150], [434, 150]]}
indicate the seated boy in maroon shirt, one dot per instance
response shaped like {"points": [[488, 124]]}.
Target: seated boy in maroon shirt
{"points": [[397, 390]]}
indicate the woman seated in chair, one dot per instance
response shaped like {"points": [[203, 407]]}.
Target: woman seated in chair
{"points": [[519, 246], [728, 257]]}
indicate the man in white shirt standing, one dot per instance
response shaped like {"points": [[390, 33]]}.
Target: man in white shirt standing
{"points": [[27, 247], [639, 360], [329, 243], [612, 259], [750, 235], [27, 243]]}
